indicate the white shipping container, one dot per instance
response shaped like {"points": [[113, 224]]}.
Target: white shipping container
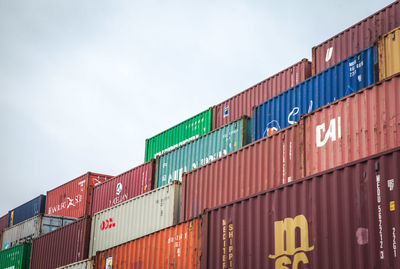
{"points": [[32, 228], [134, 218], [85, 264]]}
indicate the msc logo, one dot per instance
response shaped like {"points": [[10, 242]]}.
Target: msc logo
{"points": [[107, 224], [285, 243]]}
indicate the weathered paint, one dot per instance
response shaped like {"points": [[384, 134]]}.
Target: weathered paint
{"points": [[203, 150], [242, 103], [176, 247], [342, 218], [178, 135], [346, 77], [134, 218], [23, 212], [355, 38], [16, 257], [389, 54], [85, 264], [123, 187]]}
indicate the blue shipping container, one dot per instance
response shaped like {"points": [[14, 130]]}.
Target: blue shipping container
{"points": [[28, 210], [344, 78]]}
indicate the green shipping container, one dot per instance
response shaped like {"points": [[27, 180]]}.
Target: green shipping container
{"points": [[203, 150], [16, 257], [178, 135]]}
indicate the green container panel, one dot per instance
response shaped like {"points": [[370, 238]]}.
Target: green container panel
{"points": [[178, 135], [16, 257], [203, 150]]}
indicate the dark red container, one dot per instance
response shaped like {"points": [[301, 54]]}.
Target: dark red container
{"points": [[347, 217], [242, 103], [124, 186], [73, 199], [63, 246], [356, 38], [3, 222]]}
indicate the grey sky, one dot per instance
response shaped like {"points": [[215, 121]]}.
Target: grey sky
{"points": [[84, 83]]}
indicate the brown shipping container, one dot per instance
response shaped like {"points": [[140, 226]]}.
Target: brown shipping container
{"points": [[177, 247], [124, 187], [356, 38], [389, 54], [242, 103], [73, 199], [63, 246], [3, 225], [354, 127], [266, 163], [342, 218]]}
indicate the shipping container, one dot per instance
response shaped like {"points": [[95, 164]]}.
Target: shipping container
{"points": [[85, 264], [16, 257], [32, 208], [242, 103], [359, 125], [25, 231], [124, 186], [355, 38], [264, 164], [176, 247], [63, 246], [346, 77], [134, 218], [3, 222], [73, 199], [342, 218], [178, 135], [389, 54], [203, 150]]}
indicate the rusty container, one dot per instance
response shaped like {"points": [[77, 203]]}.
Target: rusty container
{"points": [[73, 199], [354, 127], [346, 217], [176, 247], [125, 186], [389, 54], [63, 246], [264, 164], [355, 38], [242, 103], [3, 224]]}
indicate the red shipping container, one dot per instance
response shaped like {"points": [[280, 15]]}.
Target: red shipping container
{"points": [[354, 127], [266, 163], [356, 38], [3, 222], [73, 199], [124, 186], [342, 218], [242, 103], [63, 246]]}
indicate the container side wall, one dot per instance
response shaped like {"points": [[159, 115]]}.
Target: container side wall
{"points": [[85, 264], [22, 232], [27, 210], [389, 54], [16, 257]]}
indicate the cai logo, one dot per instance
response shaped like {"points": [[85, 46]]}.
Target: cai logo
{"points": [[119, 188], [107, 224]]}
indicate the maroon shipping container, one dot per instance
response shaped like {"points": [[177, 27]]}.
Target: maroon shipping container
{"points": [[73, 199], [63, 246], [266, 163], [242, 103], [356, 38], [3, 222], [124, 186], [342, 218]]}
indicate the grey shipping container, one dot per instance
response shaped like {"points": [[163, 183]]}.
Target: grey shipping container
{"points": [[85, 264]]}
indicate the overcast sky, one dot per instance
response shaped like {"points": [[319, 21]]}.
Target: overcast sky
{"points": [[84, 83]]}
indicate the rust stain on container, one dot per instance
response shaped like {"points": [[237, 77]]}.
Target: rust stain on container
{"points": [[389, 54], [242, 103], [356, 38]]}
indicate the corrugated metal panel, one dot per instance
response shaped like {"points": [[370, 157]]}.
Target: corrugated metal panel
{"points": [[85, 264], [348, 76], [241, 104], [3, 222], [32, 208], [342, 218], [389, 54], [23, 232], [178, 135], [176, 247], [355, 38], [73, 199], [135, 218], [355, 127], [16, 257], [261, 165], [63, 246], [124, 187], [203, 150]]}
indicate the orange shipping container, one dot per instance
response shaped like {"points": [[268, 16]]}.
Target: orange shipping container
{"points": [[176, 247], [389, 54]]}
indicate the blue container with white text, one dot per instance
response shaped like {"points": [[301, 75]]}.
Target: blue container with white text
{"points": [[28, 210]]}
